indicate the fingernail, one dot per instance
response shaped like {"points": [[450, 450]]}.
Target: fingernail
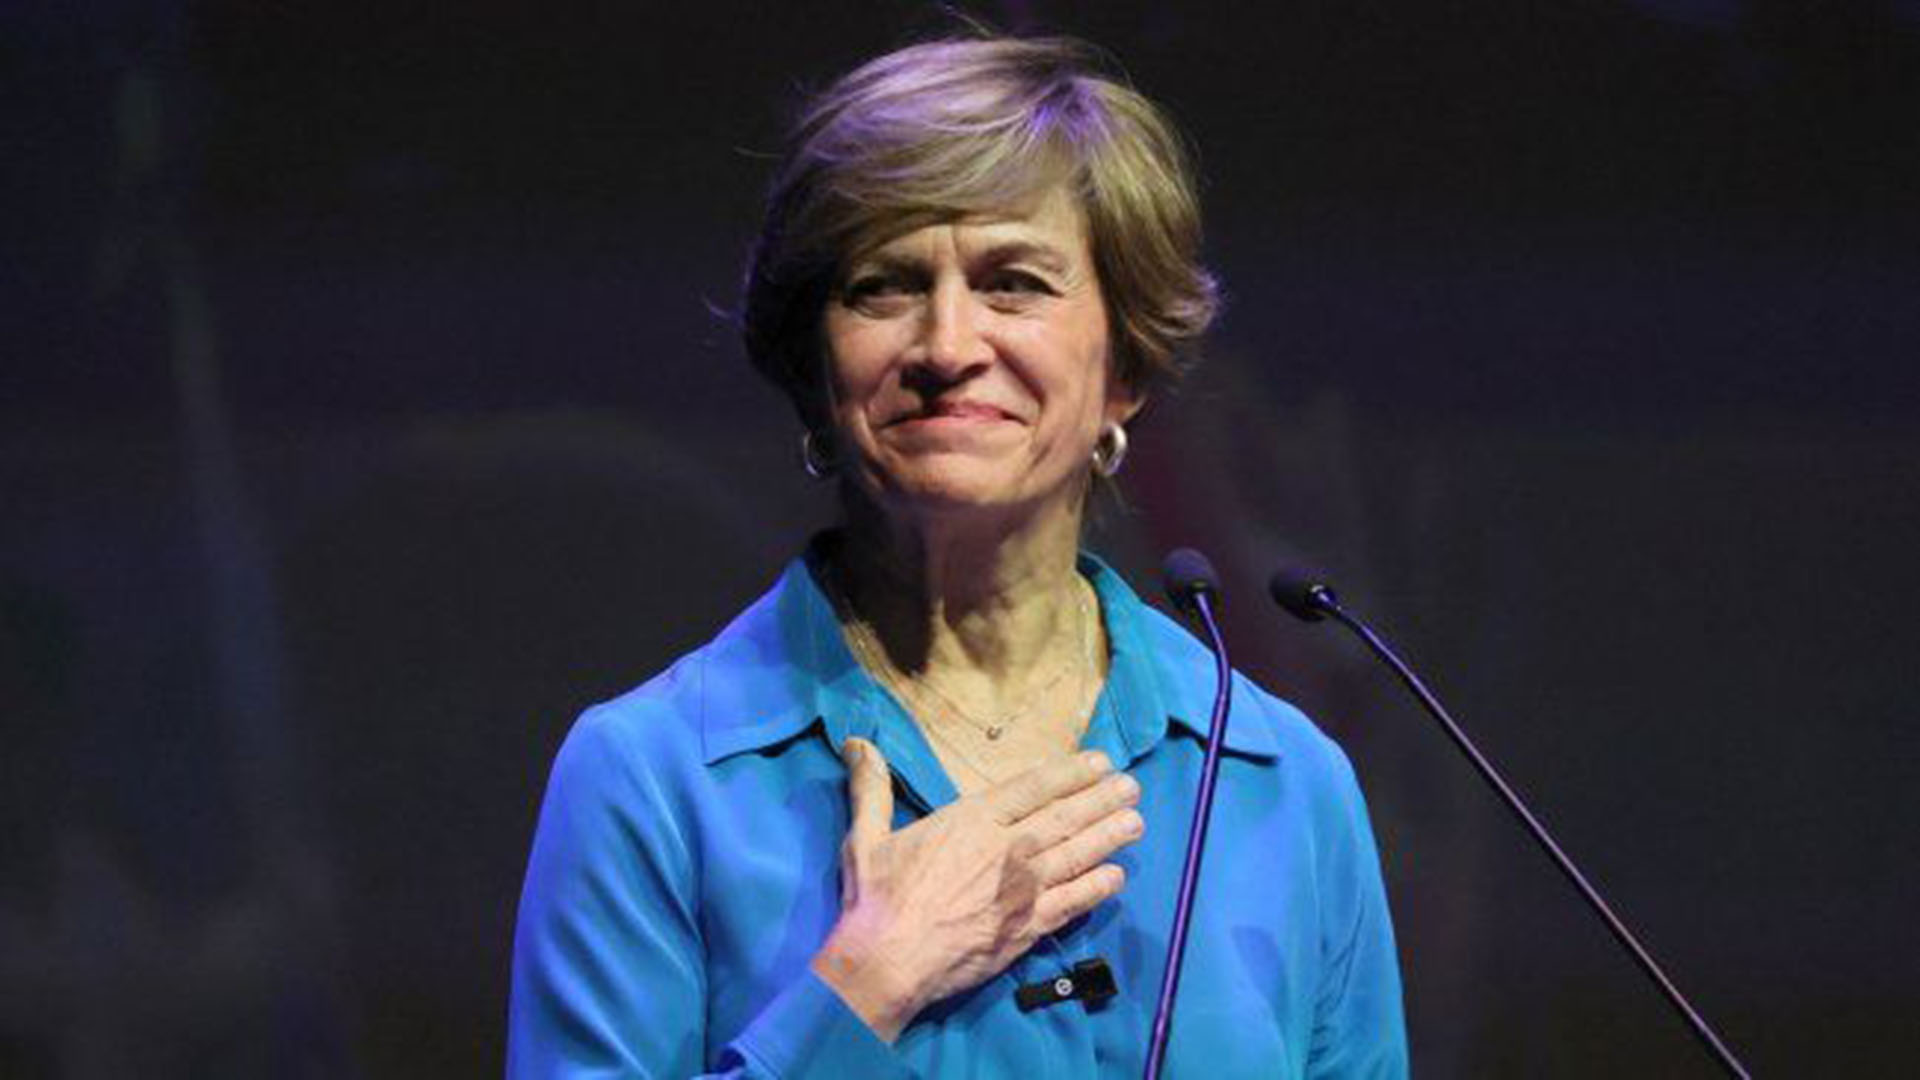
{"points": [[1099, 761]]}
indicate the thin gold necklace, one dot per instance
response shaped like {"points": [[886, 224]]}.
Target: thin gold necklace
{"points": [[954, 752], [873, 656]]}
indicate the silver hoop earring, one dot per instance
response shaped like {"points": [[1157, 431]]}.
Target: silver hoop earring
{"points": [[819, 466], [1110, 450]]}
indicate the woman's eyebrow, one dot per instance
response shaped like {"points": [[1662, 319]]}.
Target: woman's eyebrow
{"points": [[886, 262], [1045, 255]]}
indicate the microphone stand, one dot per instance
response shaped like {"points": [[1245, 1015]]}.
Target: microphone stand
{"points": [[1319, 598], [1199, 599]]}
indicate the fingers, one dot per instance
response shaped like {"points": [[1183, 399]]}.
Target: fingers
{"points": [[869, 794], [1039, 786], [1071, 899], [1089, 847], [1066, 817]]}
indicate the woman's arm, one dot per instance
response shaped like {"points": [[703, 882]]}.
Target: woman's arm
{"points": [[609, 974], [1359, 1027]]}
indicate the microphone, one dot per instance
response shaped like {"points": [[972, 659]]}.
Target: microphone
{"points": [[1187, 575], [1302, 592], [1194, 589], [1306, 595]]}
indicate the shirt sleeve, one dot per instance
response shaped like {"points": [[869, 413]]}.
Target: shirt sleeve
{"points": [[608, 972], [1359, 1026]]}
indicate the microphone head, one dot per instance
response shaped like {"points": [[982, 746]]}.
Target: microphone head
{"points": [[1186, 574], [1303, 592]]}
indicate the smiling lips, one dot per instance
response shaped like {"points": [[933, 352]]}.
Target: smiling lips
{"points": [[958, 411]]}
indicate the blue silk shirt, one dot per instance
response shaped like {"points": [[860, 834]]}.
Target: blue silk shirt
{"points": [[686, 869]]}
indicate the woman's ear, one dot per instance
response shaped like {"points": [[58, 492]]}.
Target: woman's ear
{"points": [[1124, 403]]}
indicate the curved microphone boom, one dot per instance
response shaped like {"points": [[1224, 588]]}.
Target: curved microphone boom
{"points": [[1194, 589], [1307, 595]]}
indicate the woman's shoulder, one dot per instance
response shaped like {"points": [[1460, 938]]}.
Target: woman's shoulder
{"points": [[662, 710], [742, 678]]}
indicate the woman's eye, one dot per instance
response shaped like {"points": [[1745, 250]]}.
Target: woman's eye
{"points": [[870, 286], [1018, 283], [874, 289]]}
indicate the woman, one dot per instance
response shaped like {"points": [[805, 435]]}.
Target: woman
{"points": [[949, 755]]}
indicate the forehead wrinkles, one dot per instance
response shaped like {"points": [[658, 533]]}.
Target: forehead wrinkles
{"points": [[1052, 233]]}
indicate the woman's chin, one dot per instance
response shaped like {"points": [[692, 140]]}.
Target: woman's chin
{"points": [[950, 496], [959, 491]]}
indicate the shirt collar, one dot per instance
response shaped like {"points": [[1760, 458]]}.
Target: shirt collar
{"points": [[1161, 677], [783, 667], [779, 669]]}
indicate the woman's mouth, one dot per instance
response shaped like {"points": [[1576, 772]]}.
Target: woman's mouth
{"points": [[956, 412]]}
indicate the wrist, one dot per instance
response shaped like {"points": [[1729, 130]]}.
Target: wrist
{"points": [[862, 976]]}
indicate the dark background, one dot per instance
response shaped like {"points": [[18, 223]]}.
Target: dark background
{"points": [[367, 407]]}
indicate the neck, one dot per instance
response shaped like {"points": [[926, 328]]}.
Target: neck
{"points": [[964, 595]]}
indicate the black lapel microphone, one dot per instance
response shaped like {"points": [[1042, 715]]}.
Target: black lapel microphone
{"points": [[1194, 589], [1308, 596]]}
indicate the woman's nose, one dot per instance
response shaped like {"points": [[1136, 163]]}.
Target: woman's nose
{"points": [[953, 339]]}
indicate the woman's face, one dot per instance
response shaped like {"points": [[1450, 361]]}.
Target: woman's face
{"points": [[968, 363]]}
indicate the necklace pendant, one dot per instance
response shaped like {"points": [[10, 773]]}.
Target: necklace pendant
{"points": [[994, 731]]}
